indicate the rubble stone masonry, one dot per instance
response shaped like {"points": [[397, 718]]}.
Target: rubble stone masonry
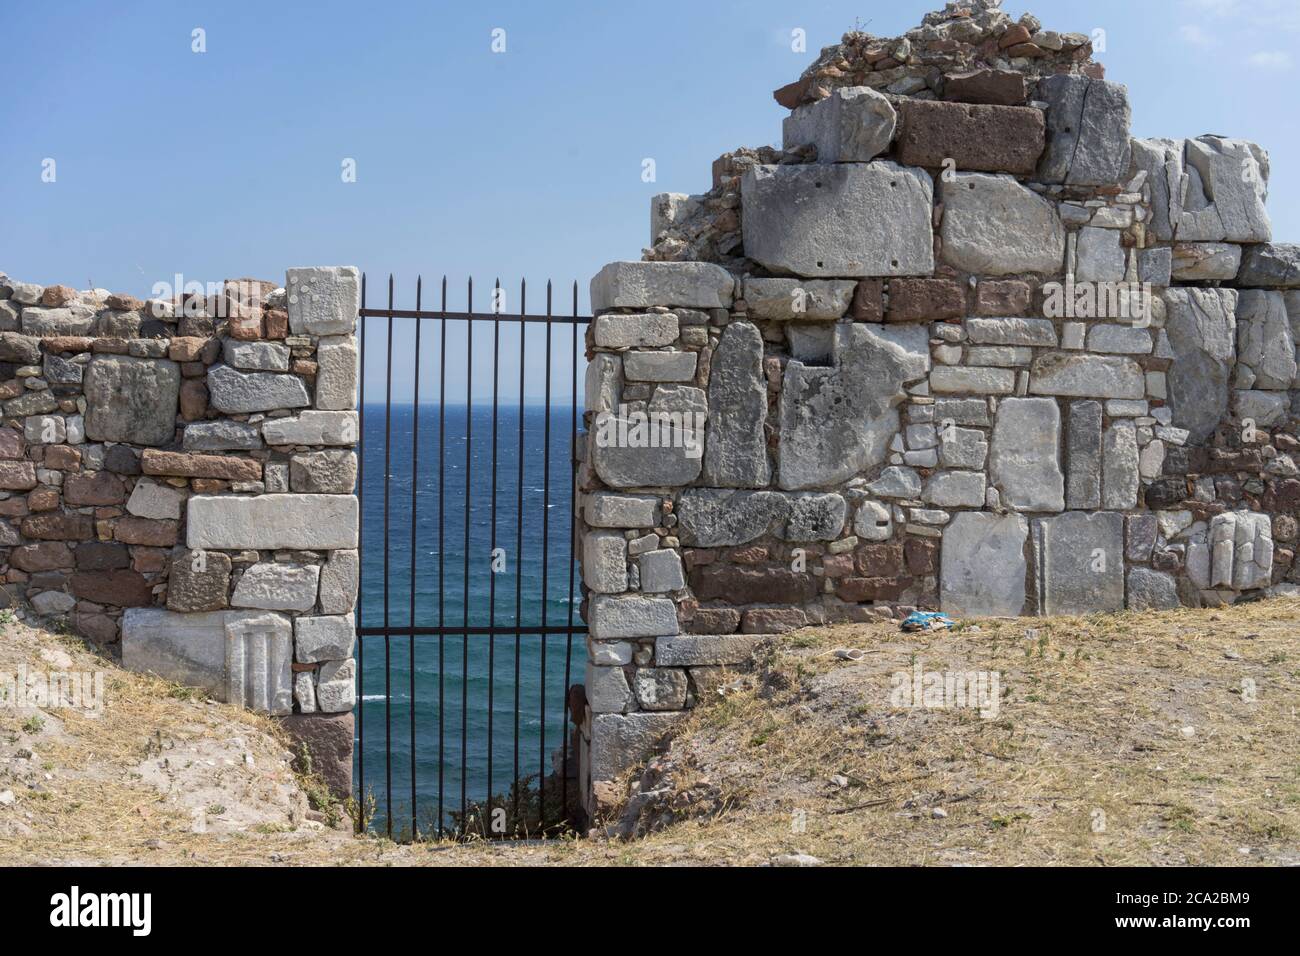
{"points": [[177, 484], [962, 343]]}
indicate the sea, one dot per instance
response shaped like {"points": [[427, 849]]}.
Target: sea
{"points": [[444, 721]]}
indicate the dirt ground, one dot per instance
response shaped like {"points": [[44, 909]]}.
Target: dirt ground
{"points": [[1165, 738]]}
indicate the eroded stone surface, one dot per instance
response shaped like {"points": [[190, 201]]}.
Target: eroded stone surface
{"points": [[1079, 562], [982, 570]]}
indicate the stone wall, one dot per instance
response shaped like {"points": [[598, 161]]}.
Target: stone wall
{"points": [[962, 343], [177, 484]]}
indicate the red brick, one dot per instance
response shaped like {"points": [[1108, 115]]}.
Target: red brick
{"points": [[997, 139], [926, 300], [59, 526], [46, 556], [277, 323], [62, 457], [921, 555], [185, 464], [155, 532], [752, 584], [871, 589], [992, 87], [120, 588], [94, 488], [772, 620], [1003, 297], [715, 620], [868, 301]]}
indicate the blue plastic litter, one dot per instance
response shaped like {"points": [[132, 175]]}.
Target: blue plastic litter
{"points": [[928, 621]]}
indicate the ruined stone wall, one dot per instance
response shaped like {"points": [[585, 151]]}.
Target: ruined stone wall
{"points": [[176, 484], [962, 343]]}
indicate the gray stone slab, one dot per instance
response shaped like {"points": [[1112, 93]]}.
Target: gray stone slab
{"points": [[815, 517], [604, 562], [339, 577], [804, 300], [1119, 470], [130, 399], [637, 330], [735, 452], [1024, 455], [1086, 376], [322, 300], [855, 124], [1079, 562], [311, 428], [850, 219], [1152, 590], [618, 741], [639, 285], [1083, 435], [221, 435], [324, 638], [711, 518], [278, 586], [336, 373], [1088, 131], [992, 225], [837, 421], [255, 356], [1201, 326], [235, 392], [982, 565], [271, 522], [661, 571], [627, 617]]}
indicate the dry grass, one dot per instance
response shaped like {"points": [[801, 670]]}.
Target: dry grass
{"points": [[1143, 721]]}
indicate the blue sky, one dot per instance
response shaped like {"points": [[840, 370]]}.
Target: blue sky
{"points": [[525, 163]]}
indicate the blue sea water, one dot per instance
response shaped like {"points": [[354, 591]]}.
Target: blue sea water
{"points": [[466, 715]]}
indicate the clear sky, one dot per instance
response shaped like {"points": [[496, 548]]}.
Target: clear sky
{"points": [[525, 163]]}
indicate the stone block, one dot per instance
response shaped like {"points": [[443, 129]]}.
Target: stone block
{"points": [[1271, 266], [660, 688], [805, 300], [336, 373], [1266, 346], [151, 500], [851, 219], [855, 124], [697, 650], [949, 379], [639, 285], [607, 510], [982, 569], [198, 581], [1087, 131], [322, 300], [996, 87], [1201, 326], [336, 686], [815, 517], [188, 465], [235, 392], [1083, 437], [278, 586], [604, 562], [1201, 261], [735, 453], [642, 330], [1079, 562], [983, 138], [1152, 590], [661, 571], [223, 435], [332, 472], [256, 356], [1023, 457], [992, 226], [925, 300], [132, 399], [326, 638], [1241, 550], [1119, 470], [619, 741], [659, 366], [339, 579], [1086, 376], [310, 428], [627, 617], [1099, 257], [955, 489], [607, 690], [1011, 331], [328, 739], [712, 518], [270, 522], [837, 421]]}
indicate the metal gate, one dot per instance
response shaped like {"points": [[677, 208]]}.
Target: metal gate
{"points": [[467, 612]]}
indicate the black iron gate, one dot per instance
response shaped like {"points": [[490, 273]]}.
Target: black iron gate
{"points": [[467, 613]]}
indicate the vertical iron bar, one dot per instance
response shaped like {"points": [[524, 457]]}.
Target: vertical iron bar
{"points": [[442, 549], [573, 534], [469, 464], [415, 484], [546, 525], [361, 513], [519, 539], [388, 696], [492, 575]]}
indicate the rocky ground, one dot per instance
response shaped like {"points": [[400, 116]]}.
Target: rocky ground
{"points": [[1162, 738]]}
